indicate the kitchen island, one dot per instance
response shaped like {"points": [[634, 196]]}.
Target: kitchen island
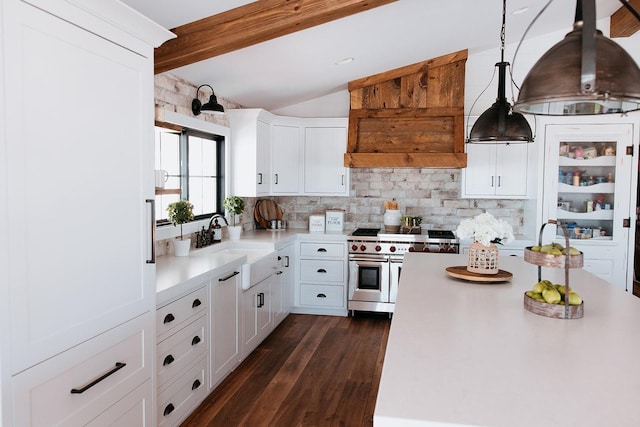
{"points": [[469, 354]]}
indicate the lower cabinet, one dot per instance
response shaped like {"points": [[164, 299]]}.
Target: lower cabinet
{"points": [[87, 383], [322, 278], [257, 320], [182, 373], [225, 294]]}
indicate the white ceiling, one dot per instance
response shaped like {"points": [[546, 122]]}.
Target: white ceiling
{"points": [[302, 66]]}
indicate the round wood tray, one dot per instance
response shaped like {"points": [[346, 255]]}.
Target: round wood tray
{"points": [[556, 311], [552, 261], [461, 272]]}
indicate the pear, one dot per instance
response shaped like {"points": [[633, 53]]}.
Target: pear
{"points": [[536, 248], [545, 249], [555, 251], [574, 299], [574, 251], [561, 288], [551, 295], [539, 287]]}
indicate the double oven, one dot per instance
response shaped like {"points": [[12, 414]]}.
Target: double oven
{"points": [[375, 264]]}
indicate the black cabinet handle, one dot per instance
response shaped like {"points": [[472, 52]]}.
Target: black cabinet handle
{"points": [[321, 296], [168, 409], [119, 365], [321, 250], [286, 261], [196, 384], [260, 178], [279, 258], [195, 340], [279, 272], [196, 303], [169, 318], [260, 299], [168, 360], [322, 270], [222, 279]]}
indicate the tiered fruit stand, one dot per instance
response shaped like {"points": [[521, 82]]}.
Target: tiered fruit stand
{"points": [[567, 261]]}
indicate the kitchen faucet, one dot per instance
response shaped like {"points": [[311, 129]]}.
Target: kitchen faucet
{"points": [[217, 216], [205, 237]]}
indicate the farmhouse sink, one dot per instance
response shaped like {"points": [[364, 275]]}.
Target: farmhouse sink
{"points": [[260, 264]]}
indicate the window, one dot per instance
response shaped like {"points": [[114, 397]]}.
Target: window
{"points": [[194, 162]]}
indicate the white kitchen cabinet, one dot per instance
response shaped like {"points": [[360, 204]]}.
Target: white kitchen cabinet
{"points": [[590, 183], [76, 243], [322, 271], [286, 165], [284, 296], [251, 151], [225, 324], [257, 320], [496, 171], [325, 142]]}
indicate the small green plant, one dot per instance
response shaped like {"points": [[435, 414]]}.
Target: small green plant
{"points": [[234, 205], [180, 212]]}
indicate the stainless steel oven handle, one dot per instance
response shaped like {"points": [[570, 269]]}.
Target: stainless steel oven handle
{"points": [[370, 258]]}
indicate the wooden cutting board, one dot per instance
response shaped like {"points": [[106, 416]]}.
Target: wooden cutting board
{"points": [[265, 211]]}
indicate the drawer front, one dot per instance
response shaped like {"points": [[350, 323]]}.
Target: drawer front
{"points": [[178, 312], [600, 267], [132, 410], [183, 395], [180, 350], [312, 270], [322, 296], [81, 383], [323, 250]]}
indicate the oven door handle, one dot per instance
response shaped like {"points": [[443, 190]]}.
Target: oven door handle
{"points": [[372, 258]]}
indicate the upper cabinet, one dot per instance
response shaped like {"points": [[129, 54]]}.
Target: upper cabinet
{"points": [[274, 155], [496, 171]]}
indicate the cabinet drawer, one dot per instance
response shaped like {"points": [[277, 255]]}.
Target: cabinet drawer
{"points": [[132, 410], [315, 270], [180, 350], [43, 394], [176, 313], [177, 401], [323, 250], [322, 295]]}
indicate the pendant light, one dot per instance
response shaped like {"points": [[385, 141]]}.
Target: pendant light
{"points": [[209, 107], [499, 124], [585, 73]]}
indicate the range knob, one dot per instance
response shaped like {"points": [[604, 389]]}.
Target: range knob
{"points": [[363, 248], [378, 248], [411, 249], [426, 249], [392, 248], [354, 247]]}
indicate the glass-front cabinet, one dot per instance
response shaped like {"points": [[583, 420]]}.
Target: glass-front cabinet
{"points": [[588, 186]]}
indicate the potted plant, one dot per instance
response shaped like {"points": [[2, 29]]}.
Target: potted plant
{"points": [[179, 213], [235, 206]]}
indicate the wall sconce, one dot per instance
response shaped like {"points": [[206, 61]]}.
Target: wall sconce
{"points": [[212, 106], [585, 73]]}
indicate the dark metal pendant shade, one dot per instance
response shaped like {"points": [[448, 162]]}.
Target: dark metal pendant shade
{"points": [[499, 123], [211, 106], [559, 83]]}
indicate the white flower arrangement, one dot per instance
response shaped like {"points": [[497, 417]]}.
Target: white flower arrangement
{"points": [[486, 229]]}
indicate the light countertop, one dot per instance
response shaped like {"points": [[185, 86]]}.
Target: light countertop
{"points": [[469, 354]]}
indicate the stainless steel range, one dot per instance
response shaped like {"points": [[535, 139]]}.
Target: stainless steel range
{"points": [[375, 264]]}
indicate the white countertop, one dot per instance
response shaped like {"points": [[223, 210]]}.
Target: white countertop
{"points": [[469, 354], [177, 276]]}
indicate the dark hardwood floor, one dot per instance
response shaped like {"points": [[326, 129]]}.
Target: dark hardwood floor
{"points": [[311, 371]]}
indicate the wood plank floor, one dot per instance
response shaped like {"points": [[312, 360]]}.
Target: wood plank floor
{"points": [[311, 371]]}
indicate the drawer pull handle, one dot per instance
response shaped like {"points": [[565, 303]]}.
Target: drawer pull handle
{"points": [[322, 270], [196, 303], [119, 365], [168, 318], [168, 360], [321, 296], [169, 409], [196, 384], [195, 340], [223, 279], [321, 250], [279, 272], [260, 299]]}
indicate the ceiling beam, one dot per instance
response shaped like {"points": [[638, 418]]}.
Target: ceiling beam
{"points": [[623, 23], [250, 24]]}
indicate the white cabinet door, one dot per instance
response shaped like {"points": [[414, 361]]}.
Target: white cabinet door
{"points": [[324, 171], [257, 321], [285, 160], [225, 325], [263, 158], [78, 176], [496, 170]]}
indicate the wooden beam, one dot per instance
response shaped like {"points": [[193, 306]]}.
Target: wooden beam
{"points": [[623, 23], [247, 25]]}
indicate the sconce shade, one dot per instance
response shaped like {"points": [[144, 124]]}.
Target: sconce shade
{"points": [[211, 106], [554, 86], [498, 123]]}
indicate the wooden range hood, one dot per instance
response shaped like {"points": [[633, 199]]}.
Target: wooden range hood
{"points": [[409, 117]]}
